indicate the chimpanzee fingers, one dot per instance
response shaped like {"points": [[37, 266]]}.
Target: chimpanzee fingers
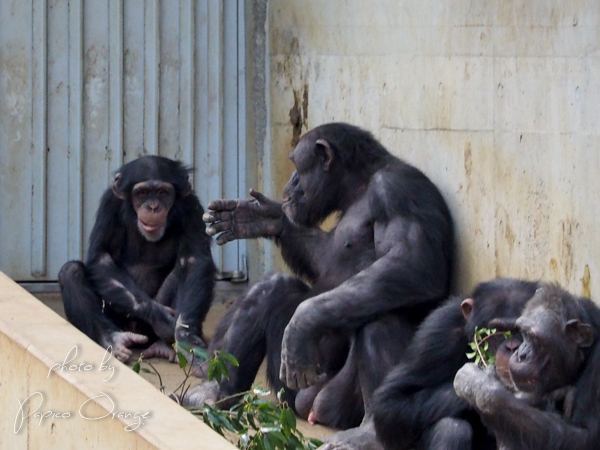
{"points": [[222, 205], [465, 382], [225, 237], [217, 228], [315, 379], [160, 349], [259, 196]]}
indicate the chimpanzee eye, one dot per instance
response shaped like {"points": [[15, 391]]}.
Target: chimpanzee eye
{"points": [[142, 192]]}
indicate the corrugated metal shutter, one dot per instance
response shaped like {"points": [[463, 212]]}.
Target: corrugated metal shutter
{"points": [[87, 86]]}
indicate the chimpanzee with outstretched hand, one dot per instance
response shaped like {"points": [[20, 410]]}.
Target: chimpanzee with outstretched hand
{"points": [[334, 330]]}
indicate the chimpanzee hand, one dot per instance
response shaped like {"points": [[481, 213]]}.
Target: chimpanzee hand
{"points": [[299, 356], [244, 218], [481, 388]]}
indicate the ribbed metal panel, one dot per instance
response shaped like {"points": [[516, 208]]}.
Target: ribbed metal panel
{"points": [[104, 83]]}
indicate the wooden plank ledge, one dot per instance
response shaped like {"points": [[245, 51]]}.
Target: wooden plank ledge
{"points": [[80, 405]]}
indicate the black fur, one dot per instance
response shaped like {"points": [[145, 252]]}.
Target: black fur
{"points": [[373, 278], [127, 280], [419, 394], [560, 408]]}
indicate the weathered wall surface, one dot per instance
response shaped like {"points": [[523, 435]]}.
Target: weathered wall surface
{"points": [[496, 101]]}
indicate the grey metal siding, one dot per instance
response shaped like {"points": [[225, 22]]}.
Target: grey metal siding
{"points": [[86, 86]]}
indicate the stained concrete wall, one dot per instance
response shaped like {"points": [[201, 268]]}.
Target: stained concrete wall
{"points": [[496, 101], [45, 406]]}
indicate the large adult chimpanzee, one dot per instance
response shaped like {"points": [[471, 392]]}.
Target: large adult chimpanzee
{"points": [[556, 375], [416, 406], [149, 260], [372, 278]]}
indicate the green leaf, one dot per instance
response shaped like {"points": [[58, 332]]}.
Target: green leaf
{"points": [[270, 428], [182, 360], [267, 442], [136, 367], [200, 353], [223, 370], [212, 372], [258, 390], [184, 346], [471, 355], [228, 357], [288, 418]]}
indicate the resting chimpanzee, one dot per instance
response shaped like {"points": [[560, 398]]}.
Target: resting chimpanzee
{"points": [[372, 278], [556, 372], [149, 258], [416, 406]]}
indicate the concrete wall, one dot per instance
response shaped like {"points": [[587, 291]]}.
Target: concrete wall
{"points": [[496, 101], [33, 339]]}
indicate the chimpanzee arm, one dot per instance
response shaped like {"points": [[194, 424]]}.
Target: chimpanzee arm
{"points": [[258, 216], [515, 423], [122, 294], [113, 283], [194, 295], [302, 249]]}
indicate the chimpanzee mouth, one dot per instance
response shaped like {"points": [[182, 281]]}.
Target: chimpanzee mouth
{"points": [[148, 227], [530, 380]]}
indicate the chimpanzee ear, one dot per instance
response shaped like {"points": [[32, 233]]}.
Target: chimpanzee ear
{"points": [[466, 307], [580, 333], [323, 149], [116, 188], [187, 190]]}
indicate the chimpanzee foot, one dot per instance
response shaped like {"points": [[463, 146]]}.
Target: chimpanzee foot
{"points": [[207, 392], [160, 349], [121, 342]]}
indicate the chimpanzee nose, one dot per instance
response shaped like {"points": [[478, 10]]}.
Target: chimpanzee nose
{"points": [[152, 206], [522, 355]]}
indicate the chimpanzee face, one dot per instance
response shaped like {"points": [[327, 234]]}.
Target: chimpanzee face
{"points": [[151, 200], [550, 355], [310, 195]]}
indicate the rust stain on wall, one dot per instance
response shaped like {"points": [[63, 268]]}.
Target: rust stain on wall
{"points": [[299, 115], [553, 265], [586, 281], [468, 163], [566, 248]]}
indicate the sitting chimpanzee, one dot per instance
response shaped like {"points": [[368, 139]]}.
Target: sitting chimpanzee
{"points": [[416, 406], [556, 375], [149, 259], [373, 278]]}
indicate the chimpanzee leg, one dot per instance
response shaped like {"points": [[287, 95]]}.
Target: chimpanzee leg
{"points": [[83, 307], [381, 345], [254, 327], [447, 434]]}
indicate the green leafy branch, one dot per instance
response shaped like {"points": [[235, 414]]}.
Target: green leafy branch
{"points": [[255, 423], [480, 345], [258, 424]]}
